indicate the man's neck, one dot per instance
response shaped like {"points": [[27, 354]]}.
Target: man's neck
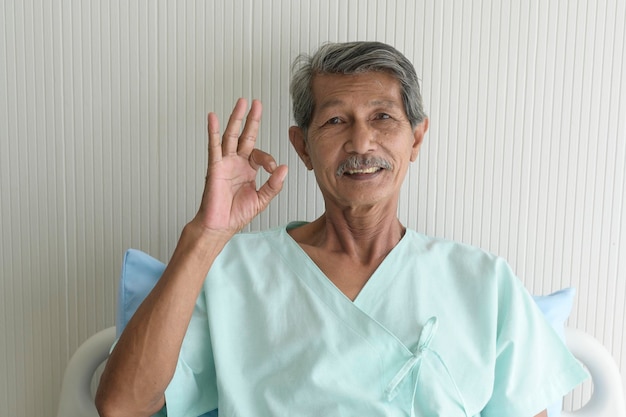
{"points": [[364, 238], [348, 250]]}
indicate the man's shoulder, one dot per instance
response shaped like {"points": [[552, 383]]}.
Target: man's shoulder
{"points": [[426, 243], [457, 258], [275, 234], [258, 244], [247, 236]]}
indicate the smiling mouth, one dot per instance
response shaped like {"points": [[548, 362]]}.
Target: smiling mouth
{"points": [[369, 170], [362, 166]]}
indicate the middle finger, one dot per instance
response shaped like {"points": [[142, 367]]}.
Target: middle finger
{"points": [[251, 129], [231, 134]]}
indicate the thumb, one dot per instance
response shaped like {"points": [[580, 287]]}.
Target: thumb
{"points": [[272, 186]]}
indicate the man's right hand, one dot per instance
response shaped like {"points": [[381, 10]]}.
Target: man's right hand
{"points": [[231, 199]]}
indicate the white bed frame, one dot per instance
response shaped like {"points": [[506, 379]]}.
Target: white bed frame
{"points": [[607, 399]]}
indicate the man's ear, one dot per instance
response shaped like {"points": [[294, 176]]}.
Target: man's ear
{"points": [[297, 139], [418, 136]]}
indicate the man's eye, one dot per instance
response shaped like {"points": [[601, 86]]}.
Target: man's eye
{"points": [[333, 121], [382, 116]]}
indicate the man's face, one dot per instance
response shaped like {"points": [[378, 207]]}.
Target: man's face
{"points": [[360, 142]]}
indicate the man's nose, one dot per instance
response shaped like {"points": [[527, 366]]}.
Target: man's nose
{"points": [[362, 138]]}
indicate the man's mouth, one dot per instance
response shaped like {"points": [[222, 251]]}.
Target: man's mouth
{"points": [[369, 170], [355, 165]]}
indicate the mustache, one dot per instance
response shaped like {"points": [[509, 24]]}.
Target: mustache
{"points": [[359, 162]]}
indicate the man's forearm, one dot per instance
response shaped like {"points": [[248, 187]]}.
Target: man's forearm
{"points": [[144, 359]]}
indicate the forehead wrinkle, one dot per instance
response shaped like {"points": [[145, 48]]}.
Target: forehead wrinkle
{"points": [[383, 103], [337, 102], [334, 102]]}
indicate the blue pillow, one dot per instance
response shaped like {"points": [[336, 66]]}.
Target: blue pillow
{"points": [[140, 273], [556, 308]]}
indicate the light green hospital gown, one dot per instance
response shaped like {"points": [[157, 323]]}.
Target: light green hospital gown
{"points": [[440, 329]]}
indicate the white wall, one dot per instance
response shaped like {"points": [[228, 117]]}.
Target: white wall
{"points": [[102, 145]]}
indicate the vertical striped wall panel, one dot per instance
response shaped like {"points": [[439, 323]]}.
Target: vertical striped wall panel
{"points": [[103, 145]]}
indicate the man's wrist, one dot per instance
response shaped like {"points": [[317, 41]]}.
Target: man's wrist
{"points": [[204, 243]]}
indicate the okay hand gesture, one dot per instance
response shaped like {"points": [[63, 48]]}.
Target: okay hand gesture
{"points": [[231, 198]]}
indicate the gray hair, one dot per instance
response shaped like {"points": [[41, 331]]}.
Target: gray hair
{"points": [[353, 58]]}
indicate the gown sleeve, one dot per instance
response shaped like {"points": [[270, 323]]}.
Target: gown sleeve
{"points": [[193, 389], [533, 366]]}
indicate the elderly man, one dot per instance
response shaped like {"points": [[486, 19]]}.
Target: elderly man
{"points": [[351, 314]]}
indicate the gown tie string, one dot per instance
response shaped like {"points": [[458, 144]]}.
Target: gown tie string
{"points": [[423, 348], [425, 338]]}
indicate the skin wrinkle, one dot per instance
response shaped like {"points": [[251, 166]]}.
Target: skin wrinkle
{"points": [[335, 102]]}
